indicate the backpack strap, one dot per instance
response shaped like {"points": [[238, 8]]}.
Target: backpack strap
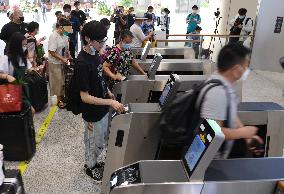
{"points": [[214, 83], [247, 20]]}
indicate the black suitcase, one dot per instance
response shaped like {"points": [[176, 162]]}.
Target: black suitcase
{"points": [[17, 135], [38, 92], [13, 183]]}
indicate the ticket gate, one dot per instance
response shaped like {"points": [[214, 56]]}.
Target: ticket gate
{"points": [[139, 89], [268, 117], [134, 136], [197, 172], [167, 52], [181, 66], [238, 176]]}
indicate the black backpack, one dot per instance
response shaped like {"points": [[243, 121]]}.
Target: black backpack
{"points": [[181, 117], [72, 92]]}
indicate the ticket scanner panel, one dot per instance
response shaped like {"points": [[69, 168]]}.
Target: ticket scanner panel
{"points": [[145, 51], [195, 161]]}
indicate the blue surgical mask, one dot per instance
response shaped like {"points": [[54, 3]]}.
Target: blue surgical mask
{"points": [[93, 50], [242, 17], [126, 46], [65, 33]]}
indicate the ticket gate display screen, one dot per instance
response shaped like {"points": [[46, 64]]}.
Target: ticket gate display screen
{"points": [[169, 90], [145, 51], [194, 152]]}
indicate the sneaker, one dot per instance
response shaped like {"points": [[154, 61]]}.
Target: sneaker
{"points": [[95, 173]]}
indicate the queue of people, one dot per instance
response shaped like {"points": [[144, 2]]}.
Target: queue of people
{"points": [[95, 76]]}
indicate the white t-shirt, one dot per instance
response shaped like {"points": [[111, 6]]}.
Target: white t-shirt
{"points": [[138, 34], [2, 47], [6, 67], [58, 44]]}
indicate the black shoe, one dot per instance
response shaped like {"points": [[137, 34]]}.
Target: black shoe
{"points": [[95, 173]]}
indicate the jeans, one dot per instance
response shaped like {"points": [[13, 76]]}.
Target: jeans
{"points": [[95, 140]]}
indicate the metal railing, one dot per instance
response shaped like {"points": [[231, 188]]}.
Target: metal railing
{"points": [[210, 39]]}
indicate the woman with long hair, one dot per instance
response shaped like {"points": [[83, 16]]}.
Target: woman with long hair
{"points": [[15, 64]]}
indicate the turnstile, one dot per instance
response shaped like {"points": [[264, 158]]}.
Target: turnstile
{"points": [[138, 89], [134, 136], [180, 66], [239, 176], [167, 52], [197, 172]]}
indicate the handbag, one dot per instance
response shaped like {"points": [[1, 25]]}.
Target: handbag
{"points": [[10, 98]]}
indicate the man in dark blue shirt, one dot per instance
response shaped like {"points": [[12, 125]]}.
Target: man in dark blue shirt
{"points": [[75, 22]]}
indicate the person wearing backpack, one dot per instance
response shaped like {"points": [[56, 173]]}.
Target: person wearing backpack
{"points": [[240, 25], [95, 97], [214, 99], [120, 58], [192, 20], [221, 103]]}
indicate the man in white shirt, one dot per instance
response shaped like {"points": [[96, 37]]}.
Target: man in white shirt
{"points": [[139, 36]]}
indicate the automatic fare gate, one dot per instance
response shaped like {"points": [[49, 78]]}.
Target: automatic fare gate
{"points": [[198, 173]]}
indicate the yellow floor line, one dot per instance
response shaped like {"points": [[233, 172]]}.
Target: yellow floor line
{"points": [[40, 134]]}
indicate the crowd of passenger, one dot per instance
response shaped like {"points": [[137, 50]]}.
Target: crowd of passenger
{"points": [[97, 66]]}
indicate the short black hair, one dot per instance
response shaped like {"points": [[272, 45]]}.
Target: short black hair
{"points": [[105, 22], [231, 55], [194, 7], [32, 26], [243, 11], [198, 28], [167, 10], [64, 22], [67, 6], [58, 12], [148, 16], [77, 3], [36, 10], [125, 33], [94, 30], [150, 7]]}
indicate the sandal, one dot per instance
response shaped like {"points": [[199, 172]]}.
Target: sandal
{"points": [[61, 104]]}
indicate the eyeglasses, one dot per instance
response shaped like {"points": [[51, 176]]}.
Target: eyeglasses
{"points": [[103, 40]]}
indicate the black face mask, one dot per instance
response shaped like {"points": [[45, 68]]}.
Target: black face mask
{"points": [[22, 18]]}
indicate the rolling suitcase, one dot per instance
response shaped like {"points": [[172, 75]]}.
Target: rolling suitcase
{"points": [[17, 135], [13, 183], [38, 92]]}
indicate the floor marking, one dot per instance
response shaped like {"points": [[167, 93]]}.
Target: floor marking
{"points": [[40, 134]]}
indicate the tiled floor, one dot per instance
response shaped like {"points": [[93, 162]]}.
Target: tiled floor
{"points": [[58, 164]]}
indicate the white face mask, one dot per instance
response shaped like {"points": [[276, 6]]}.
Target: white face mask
{"points": [[67, 14], [245, 74], [194, 11]]}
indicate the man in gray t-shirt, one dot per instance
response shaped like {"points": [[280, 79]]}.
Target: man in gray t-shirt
{"points": [[220, 102]]}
